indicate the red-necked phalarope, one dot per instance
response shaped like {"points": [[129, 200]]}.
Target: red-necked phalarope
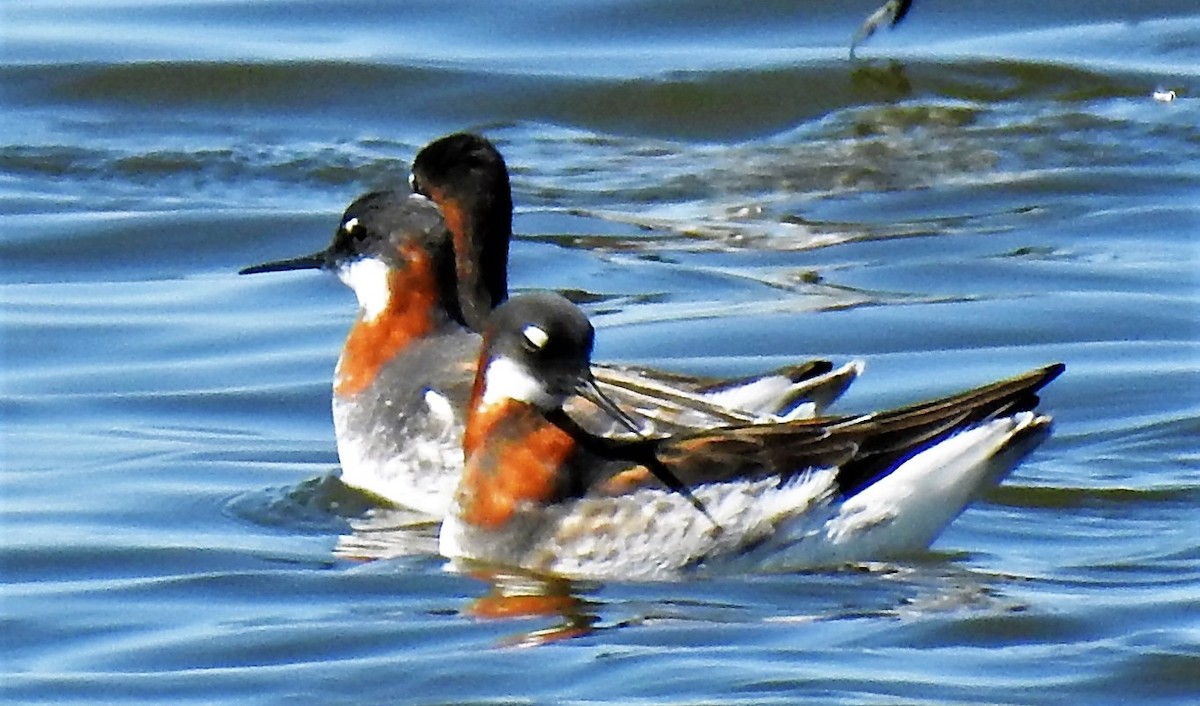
{"points": [[541, 493]]}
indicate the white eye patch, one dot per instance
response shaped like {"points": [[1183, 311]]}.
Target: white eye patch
{"points": [[350, 225], [536, 336]]}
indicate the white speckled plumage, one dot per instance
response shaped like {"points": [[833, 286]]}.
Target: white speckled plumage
{"points": [[657, 534], [649, 534]]}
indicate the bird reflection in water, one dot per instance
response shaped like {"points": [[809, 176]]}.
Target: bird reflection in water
{"points": [[516, 595], [510, 594]]}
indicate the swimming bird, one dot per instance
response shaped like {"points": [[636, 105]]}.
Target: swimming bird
{"points": [[426, 275], [540, 493]]}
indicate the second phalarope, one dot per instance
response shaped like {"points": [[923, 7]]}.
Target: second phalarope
{"points": [[540, 493]]}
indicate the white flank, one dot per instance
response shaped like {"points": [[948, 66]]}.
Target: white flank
{"points": [[762, 397], [439, 407], [908, 508], [756, 397], [505, 379], [368, 277]]}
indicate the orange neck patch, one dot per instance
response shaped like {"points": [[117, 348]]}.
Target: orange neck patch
{"points": [[456, 222], [475, 290], [514, 456], [411, 314]]}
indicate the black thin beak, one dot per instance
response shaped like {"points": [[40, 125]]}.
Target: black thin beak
{"points": [[641, 451], [315, 261], [590, 391]]}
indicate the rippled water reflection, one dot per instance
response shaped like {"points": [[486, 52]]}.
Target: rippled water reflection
{"points": [[987, 191]]}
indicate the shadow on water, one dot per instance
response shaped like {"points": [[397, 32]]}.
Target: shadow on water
{"points": [[319, 505], [888, 79]]}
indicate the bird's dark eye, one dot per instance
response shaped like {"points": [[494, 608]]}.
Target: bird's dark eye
{"points": [[355, 230], [352, 237]]}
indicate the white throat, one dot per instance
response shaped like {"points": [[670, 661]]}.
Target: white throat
{"points": [[368, 277], [507, 380]]}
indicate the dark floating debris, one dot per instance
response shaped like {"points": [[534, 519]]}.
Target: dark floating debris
{"points": [[890, 13]]}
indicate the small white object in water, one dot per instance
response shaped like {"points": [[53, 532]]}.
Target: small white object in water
{"points": [[1164, 95]]}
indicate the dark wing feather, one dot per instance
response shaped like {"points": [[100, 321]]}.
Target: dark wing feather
{"points": [[862, 447]]}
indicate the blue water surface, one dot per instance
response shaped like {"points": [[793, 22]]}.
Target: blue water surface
{"points": [[988, 189]]}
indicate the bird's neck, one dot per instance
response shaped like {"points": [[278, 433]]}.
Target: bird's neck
{"points": [[481, 230]]}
